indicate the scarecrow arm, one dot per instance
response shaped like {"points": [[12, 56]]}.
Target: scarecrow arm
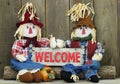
{"points": [[18, 52]]}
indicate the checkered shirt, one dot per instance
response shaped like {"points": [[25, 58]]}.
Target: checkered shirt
{"points": [[17, 47]]}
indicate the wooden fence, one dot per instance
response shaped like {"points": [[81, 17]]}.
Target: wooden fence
{"points": [[52, 14]]}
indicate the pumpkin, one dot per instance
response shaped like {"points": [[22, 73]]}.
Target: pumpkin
{"points": [[47, 74]]}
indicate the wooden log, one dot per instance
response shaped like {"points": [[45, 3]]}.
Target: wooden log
{"points": [[9, 73], [105, 72], [57, 72]]}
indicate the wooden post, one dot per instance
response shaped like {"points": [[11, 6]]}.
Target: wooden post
{"points": [[107, 30], [8, 19], [118, 37], [56, 21]]}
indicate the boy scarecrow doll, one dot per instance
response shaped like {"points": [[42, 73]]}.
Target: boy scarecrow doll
{"points": [[84, 36], [28, 34]]}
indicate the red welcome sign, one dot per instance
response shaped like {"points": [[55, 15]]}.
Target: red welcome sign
{"points": [[58, 57]]}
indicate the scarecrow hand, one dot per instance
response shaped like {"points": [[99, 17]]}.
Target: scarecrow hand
{"points": [[97, 56], [93, 41], [74, 77], [21, 57]]}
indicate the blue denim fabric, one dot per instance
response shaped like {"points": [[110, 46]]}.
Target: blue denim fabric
{"points": [[89, 70], [70, 68], [15, 64]]}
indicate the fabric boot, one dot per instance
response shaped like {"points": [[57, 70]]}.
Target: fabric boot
{"points": [[66, 76]]}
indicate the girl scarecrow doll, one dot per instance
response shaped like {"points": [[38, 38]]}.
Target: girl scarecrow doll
{"points": [[28, 34], [84, 36]]}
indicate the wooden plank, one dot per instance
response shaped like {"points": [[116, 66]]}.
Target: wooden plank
{"points": [[72, 2], [56, 21], [8, 15], [118, 32], [107, 30], [40, 7], [58, 56], [81, 1]]}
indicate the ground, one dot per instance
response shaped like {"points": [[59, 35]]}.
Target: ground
{"points": [[106, 81]]}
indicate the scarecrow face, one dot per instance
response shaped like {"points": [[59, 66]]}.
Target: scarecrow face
{"points": [[83, 32], [30, 30]]}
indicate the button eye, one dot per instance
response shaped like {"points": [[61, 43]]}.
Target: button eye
{"points": [[27, 27], [33, 27], [80, 28], [85, 27]]}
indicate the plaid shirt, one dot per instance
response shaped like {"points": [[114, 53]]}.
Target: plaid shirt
{"points": [[17, 47]]}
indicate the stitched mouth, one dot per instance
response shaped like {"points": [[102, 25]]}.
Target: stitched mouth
{"points": [[87, 38]]}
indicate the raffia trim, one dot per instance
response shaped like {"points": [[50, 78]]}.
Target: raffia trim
{"points": [[27, 7], [79, 11]]}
